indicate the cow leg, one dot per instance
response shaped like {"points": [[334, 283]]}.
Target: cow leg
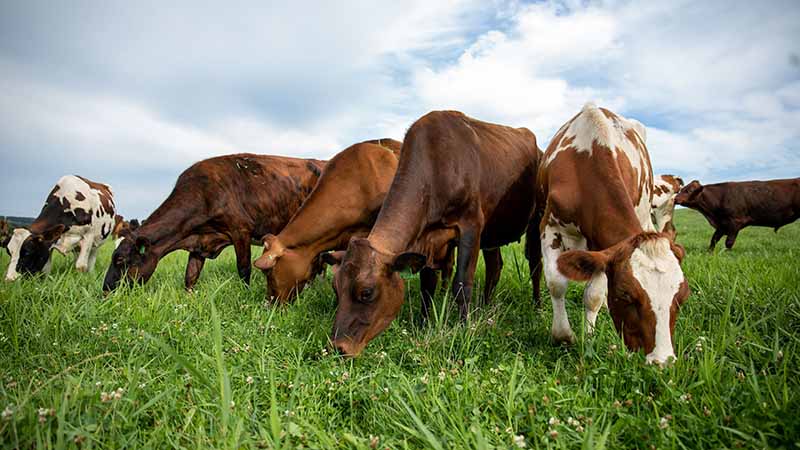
{"points": [[731, 239], [557, 285], [241, 244], [193, 268], [714, 239], [447, 267], [533, 252], [494, 267], [468, 248], [428, 278], [82, 264], [594, 297], [92, 258]]}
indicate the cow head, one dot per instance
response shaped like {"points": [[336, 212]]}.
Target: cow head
{"points": [[689, 195], [646, 288], [369, 290], [35, 250], [287, 271], [133, 259]]}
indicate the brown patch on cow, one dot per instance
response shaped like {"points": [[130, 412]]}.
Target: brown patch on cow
{"points": [[558, 242], [104, 192], [610, 115], [79, 196]]}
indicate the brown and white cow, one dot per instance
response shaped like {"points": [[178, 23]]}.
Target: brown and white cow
{"points": [[344, 204], [733, 205], [459, 182], [665, 188], [232, 199], [595, 187], [77, 212]]}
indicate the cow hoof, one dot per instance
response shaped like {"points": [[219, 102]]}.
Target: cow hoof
{"points": [[564, 338], [81, 269]]}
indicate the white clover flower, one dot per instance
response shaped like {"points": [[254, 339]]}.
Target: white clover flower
{"points": [[249, 380], [519, 441], [554, 422], [663, 423], [7, 413]]}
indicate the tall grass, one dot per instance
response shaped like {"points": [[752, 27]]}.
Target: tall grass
{"points": [[153, 367]]}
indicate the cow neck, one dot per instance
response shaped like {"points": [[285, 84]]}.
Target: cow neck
{"points": [[165, 230], [604, 237], [400, 220]]}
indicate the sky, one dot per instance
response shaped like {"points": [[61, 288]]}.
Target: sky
{"points": [[132, 93]]}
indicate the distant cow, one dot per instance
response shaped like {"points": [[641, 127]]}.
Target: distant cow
{"points": [[77, 212], [665, 188], [233, 199], [5, 233], [731, 206], [344, 204], [595, 192], [459, 182]]}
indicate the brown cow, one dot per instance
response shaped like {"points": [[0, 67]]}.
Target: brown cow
{"points": [[595, 187], [731, 206], [226, 200], [665, 188], [343, 204], [459, 182]]}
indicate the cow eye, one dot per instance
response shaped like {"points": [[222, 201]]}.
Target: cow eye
{"points": [[366, 295]]}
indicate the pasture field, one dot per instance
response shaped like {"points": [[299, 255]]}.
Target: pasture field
{"points": [[154, 367]]}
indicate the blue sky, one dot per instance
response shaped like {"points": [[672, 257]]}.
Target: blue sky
{"points": [[132, 93]]}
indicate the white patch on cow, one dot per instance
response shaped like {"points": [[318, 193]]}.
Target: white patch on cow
{"points": [[14, 246], [659, 273]]}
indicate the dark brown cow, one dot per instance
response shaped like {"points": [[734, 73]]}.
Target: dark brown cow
{"points": [[226, 200], [596, 188], [344, 204], [731, 206], [459, 182]]}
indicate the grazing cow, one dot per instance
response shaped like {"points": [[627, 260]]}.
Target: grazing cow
{"points": [[460, 182], [77, 212], [123, 229], [731, 206], [344, 204], [595, 188], [665, 188], [232, 199]]}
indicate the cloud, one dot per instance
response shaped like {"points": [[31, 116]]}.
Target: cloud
{"points": [[132, 93]]}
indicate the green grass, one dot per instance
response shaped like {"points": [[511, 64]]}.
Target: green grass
{"points": [[216, 369]]}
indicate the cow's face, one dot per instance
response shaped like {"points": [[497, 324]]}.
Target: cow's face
{"points": [[370, 293], [35, 250], [287, 271], [689, 195], [646, 288], [133, 259]]}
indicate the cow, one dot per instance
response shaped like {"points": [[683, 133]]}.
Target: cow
{"points": [[123, 229], [344, 204], [227, 200], [665, 188], [729, 207], [459, 182], [78, 213], [594, 211]]}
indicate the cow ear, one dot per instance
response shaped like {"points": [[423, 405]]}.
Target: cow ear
{"points": [[332, 258], [142, 245], [134, 224], [678, 250], [581, 265], [273, 249], [413, 261], [52, 234], [696, 192]]}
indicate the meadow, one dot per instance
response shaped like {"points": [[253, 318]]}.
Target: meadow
{"points": [[154, 367]]}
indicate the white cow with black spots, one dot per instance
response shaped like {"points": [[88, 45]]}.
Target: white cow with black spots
{"points": [[77, 213]]}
